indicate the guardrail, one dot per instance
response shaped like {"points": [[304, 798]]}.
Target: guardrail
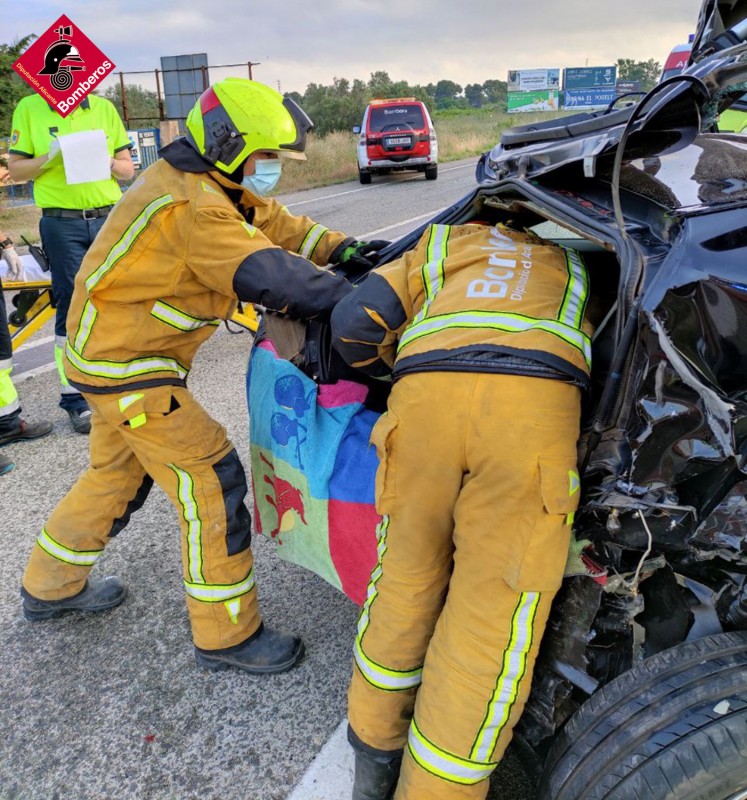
{"points": [[16, 194]]}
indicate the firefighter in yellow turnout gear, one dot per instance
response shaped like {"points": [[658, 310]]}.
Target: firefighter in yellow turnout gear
{"points": [[484, 328], [192, 237]]}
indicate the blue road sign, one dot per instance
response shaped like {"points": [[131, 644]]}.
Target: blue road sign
{"points": [[589, 77], [585, 99], [624, 87]]}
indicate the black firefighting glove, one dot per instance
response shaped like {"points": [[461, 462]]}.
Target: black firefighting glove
{"points": [[358, 257]]}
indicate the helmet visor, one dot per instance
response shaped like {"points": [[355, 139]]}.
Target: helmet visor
{"points": [[303, 125]]}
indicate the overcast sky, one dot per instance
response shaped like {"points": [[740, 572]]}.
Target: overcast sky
{"points": [[298, 42]]}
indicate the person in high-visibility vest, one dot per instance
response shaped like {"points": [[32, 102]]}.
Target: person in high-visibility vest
{"points": [[484, 328], [72, 213], [12, 427], [193, 236]]}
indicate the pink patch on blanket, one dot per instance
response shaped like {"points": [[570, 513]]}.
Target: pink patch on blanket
{"points": [[332, 395], [266, 344]]}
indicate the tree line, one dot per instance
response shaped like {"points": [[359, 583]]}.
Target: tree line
{"points": [[340, 105], [12, 88]]}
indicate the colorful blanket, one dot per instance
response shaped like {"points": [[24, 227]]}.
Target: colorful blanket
{"points": [[313, 470]]}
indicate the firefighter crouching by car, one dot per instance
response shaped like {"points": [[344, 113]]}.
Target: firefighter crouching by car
{"points": [[477, 486], [188, 240]]}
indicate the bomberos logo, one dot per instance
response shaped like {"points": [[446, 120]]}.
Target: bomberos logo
{"points": [[63, 65]]}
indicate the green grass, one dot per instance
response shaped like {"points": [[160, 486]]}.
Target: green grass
{"points": [[329, 160], [471, 134], [17, 221]]}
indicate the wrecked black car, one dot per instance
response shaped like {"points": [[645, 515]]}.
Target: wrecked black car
{"points": [[641, 687]]}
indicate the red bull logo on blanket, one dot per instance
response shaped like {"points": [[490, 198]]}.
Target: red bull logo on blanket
{"points": [[285, 498], [313, 470]]}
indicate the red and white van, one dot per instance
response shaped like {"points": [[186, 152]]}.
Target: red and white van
{"points": [[396, 135]]}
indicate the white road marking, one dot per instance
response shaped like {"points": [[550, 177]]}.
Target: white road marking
{"points": [[30, 373], [372, 188], [332, 196], [330, 775], [370, 234], [34, 343]]}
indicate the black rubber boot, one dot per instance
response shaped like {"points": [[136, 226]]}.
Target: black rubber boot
{"points": [[375, 776], [25, 430], [265, 652], [97, 595]]}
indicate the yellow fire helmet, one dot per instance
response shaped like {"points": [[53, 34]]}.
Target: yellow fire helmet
{"points": [[236, 117]]}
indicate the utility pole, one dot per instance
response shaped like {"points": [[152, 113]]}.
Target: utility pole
{"points": [[280, 91], [123, 95], [251, 64]]}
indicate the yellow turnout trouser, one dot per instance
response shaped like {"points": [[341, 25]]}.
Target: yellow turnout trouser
{"points": [[9, 403], [477, 485], [159, 434]]}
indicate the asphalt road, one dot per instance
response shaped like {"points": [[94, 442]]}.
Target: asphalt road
{"points": [[112, 705]]}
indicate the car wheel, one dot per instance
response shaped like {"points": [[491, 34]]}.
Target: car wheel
{"points": [[431, 173], [364, 177], [673, 727]]}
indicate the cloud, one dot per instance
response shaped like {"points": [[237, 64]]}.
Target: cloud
{"points": [[421, 41]]}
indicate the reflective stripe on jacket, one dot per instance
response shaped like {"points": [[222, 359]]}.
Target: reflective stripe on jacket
{"points": [[175, 255], [467, 290]]}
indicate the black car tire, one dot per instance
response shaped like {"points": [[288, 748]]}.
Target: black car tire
{"points": [[364, 177], [673, 727], [431, 173]]}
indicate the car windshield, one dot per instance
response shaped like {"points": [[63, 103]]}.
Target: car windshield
{"points": [[396, 118]]}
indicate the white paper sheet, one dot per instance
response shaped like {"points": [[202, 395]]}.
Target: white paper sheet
{"points": [[85, 156]]}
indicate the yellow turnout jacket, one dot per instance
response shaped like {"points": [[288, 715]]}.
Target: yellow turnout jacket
{"points": [[176, 254], [471, 298]]}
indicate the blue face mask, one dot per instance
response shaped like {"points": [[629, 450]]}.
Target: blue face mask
{"points": [[266, 176]]}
